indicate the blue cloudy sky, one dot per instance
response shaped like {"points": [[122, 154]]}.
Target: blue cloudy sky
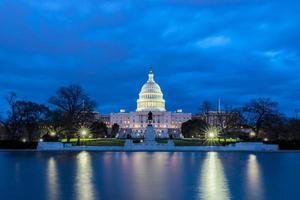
{"points": [[235, 50]]}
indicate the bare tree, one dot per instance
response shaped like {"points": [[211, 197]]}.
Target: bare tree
{"points": [[54, 123], [24, 118], [30, 117], [10, 123], [258, 111], [76, 106]]}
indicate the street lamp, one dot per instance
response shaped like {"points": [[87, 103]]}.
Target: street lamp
{"points": [[52, 133], [211, 132], [211, 135], [84, 133], [252, 134]]}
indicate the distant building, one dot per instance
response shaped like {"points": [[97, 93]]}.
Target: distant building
{"points": [[105, 118], [150, 99], [219, 118]]}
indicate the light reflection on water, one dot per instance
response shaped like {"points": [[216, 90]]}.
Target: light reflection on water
{"points": [[148, 176], [52, 179], [214, 184], [254, 179], [84, 176]]}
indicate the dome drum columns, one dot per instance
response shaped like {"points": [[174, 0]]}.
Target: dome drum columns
{"points": [[151, 96]]}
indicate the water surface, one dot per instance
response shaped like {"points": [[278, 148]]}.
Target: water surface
{"points": [[145, 175]]}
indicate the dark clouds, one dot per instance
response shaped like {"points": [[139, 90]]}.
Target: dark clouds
{"points": [[234, 50]]}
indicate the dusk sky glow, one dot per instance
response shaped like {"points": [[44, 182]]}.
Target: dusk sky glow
{"points": [[235, 50]]}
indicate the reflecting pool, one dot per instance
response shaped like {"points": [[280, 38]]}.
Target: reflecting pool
{"points": [[149, 175]]}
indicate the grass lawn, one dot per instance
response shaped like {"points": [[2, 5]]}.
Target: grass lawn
{"points": [[105, 142], [201, 142], [162, 141], [72, 140]]}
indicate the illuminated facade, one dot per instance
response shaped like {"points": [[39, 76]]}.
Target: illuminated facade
{"points": [[150, 99], [151, 96]]}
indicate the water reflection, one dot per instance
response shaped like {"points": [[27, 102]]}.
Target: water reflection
{"points": [[52, 179], [214, 185], [84, 175], [137, 175], [17, 172], [150, 177], [254, 182], [142, 183]]}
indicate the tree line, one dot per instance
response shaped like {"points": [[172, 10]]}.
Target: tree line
{"points": [[69, 111], [258, 119]]}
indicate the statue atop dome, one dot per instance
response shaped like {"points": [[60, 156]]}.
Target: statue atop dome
{"points": [[151, 75], [151, 70]]}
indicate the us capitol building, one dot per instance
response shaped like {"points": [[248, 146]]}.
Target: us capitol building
{"points": [[150, 99]]}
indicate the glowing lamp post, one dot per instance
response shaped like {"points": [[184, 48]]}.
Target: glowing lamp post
{"points": [[252, 134], [84, 133], [211, 132], [211, 135], [52, 134]]}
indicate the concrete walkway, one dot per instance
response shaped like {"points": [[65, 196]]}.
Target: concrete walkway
{"points": [[254, 147]]}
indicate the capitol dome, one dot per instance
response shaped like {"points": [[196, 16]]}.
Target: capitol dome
{"points": [[151, 96]]}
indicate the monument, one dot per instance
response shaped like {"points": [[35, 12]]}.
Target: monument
{"points": [[149, 137], [149, 142]]}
